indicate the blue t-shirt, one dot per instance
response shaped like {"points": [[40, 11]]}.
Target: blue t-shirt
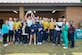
{"points": [[5, 29]]}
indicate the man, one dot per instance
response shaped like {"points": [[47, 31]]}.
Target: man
{"points": [[57, 32], [17, 30]]}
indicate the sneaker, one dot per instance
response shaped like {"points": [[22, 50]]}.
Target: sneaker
{"points": [[25, 44], [29, 43], [65, 47], [58, 44], [53, 44], [40, 43], [34, 43], [21, 43], [5, 45], [16, 42], [63, 44]]}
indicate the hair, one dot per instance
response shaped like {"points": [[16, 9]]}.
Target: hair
{"points": [[28, 15], [71, 21]]}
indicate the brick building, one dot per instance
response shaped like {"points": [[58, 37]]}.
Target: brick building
{"points": [[71, 10]]}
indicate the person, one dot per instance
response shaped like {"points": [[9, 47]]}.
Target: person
{"points": [[57, 32], [51, 29], [17, 30], [33, 31], [71, 33], [10, 30], [46, 30], [5, 31], [25, 32], [30, 18], [65, 34], [40, 33]]}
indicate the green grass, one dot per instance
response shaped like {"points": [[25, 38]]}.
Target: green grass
{"points": [[44, 48]]}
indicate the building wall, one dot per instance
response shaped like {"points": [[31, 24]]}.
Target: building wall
{"points": [[60, 14], [5, 16], [75, 14]]}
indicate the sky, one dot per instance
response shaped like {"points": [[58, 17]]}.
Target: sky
{"points": [[39, 1]]}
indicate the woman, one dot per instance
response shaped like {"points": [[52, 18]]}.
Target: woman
{"points": [[10, 30], [25, 32], [33, 32], [30, 18], [5, 31], [65, 34]]}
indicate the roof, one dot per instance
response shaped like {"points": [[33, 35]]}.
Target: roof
{"points": [[39, 1]]}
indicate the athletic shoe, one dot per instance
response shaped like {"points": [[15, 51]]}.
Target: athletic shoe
{"points": [[25, 44], [40, 43], [5, 45], [34, 43], [58, 44], [53, 44], [65, 47], [16, 42], [63, 44], [21, 43], [29, 43]]}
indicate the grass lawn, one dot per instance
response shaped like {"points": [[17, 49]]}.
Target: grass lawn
{"points": [[44, 49]]}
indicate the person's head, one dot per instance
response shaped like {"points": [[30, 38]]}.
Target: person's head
{"points": [[64, 21], [44, 18], [40, 21], [60, 19], [24, 23], [10, 18], [15, 19], [52, 20], [6, 22], [71, 22], [29, 16]]}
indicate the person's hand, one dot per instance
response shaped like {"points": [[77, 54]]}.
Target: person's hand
{"points": [[32, 30], [40, 29]]}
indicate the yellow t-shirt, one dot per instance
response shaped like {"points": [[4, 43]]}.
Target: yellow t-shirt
{"points": [[51, 25], [45, 24], [16, 25]]}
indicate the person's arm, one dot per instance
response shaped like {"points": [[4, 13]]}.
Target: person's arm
{"points": [[33, 16], [2, 29], [26, 15]]}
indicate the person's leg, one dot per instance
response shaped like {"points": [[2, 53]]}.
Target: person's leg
{"points": [[46, 37], [55, 35], [9, 36], [20, 38], [4, 39], [66, 39], [72, 40], [44, 33], [58, 35], [16, 37], [25, 39], [12, 36], [30, 39], [34, 39], [50, 35]]}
